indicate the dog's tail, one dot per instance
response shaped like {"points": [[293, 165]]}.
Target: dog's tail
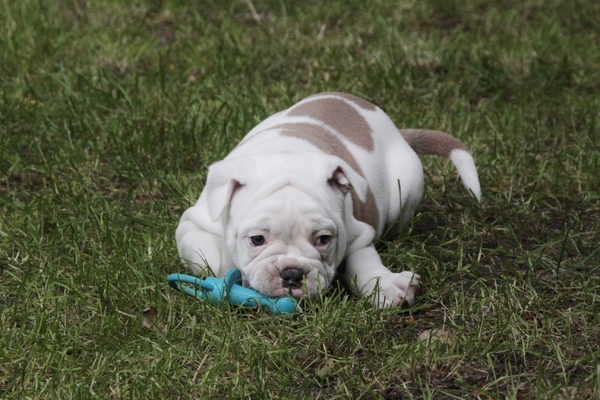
{"points": [[425, 142]]}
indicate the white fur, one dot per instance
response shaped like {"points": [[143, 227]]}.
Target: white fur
{"points": [[465, 165]]}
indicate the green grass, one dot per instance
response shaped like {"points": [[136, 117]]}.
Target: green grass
{"points": [[111, 111]]}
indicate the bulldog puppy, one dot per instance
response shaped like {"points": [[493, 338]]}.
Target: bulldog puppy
{"points": [[312, 187]]}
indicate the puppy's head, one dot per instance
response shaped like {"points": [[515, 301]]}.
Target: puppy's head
{"points": [[284, 218]]}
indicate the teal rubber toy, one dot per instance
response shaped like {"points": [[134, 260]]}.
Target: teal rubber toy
{"points": [[230, 289]]}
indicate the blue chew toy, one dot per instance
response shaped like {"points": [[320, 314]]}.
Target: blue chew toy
{"points": [[230, 289]]}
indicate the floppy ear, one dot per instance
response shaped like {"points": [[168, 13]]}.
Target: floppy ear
{"points": [[224, 178], [347, 179]]}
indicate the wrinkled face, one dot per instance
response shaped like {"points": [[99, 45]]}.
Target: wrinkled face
{"points": [[288, 242]]}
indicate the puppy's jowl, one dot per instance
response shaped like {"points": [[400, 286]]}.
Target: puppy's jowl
{"points": [[309, 188]]}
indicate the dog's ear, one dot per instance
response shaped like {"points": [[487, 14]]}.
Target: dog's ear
{"points": [[347, 179], [224, 179]]}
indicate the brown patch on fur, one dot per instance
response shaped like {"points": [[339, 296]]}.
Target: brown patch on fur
{"points": [[329, 143], [341, 116], [365, 105], [366, 212], [322, 138], [425, 142]]}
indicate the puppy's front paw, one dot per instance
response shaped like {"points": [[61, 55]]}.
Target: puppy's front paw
{"points": [[397, 289]]}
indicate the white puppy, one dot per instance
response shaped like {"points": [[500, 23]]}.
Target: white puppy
{"points": [[310, 188]]}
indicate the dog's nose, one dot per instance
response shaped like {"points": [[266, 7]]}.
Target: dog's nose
{"points": [[292, 277]]}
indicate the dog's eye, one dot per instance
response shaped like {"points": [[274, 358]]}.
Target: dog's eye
{"points": [[323, 240], [257, 240]]}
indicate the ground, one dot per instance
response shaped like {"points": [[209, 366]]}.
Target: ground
{"points": [[111, 112]]}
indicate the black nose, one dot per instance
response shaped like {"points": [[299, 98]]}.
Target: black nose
{"points": [[292, 277]]}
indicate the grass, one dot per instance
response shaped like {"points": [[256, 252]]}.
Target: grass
{"points": [[111, 111]]}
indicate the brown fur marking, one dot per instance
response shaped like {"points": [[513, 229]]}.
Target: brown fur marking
{"points": [[366, 212], [425, 142], [365, 105], [329, 143], [340, 115]]}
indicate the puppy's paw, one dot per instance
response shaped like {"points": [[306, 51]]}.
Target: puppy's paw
{"points": [[397, 289]]}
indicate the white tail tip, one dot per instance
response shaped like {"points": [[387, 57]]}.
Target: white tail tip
{"points": [[468, 172]]}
